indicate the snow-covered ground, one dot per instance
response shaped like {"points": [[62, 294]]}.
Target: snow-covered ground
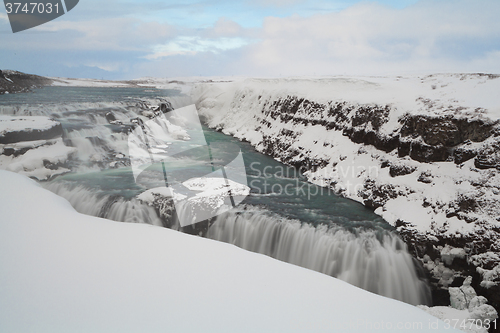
{"points": [[72, 82], [421, 150], [16, 124], [184, 85], [62, 271]]}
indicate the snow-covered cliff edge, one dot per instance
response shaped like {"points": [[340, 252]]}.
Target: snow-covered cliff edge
{"points": [[424, 152]]}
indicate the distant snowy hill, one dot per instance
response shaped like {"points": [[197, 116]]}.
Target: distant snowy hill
{"points": [[62, 271]]}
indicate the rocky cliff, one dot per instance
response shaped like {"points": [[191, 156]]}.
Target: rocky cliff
{"points": [[423, 152]]}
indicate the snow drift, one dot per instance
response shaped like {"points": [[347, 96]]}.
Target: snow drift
{"points": [[62, 271]]}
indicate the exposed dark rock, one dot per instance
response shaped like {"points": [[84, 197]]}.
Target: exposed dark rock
{"points": [[370, 137], [374, 115], [427, 153], [16, 82], [431, 139], [55, 166], [422, 152], [425, 177], [110, 117], [404, 148], [9, 151], [489, 156], [446, 130], [164, 107], [400, 170], [487, 162], [385, 164], [467, 204], [463, 154], [32, 135], [375, 195]]}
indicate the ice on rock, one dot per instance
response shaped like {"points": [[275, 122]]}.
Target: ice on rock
{"points": [[476, 302], [467, 309], [449, 253], [460, 297], [484, 313], [491, 277]]}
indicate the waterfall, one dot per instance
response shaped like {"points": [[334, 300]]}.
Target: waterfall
{"points": [[97, 143], [379, 263], [112, 207]]}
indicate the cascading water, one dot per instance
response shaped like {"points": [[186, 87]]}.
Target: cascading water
{"points": [[96, 122], [112, 207], [379, 263]]}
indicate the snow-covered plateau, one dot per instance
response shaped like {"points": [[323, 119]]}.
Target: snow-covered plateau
{"points": [[66, 272], [422, 151]]}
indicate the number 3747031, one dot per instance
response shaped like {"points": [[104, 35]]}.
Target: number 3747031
{"points": [[31, 8], [470, 324]]}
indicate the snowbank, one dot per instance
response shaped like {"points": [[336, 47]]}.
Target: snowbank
{"points": [[15, 129], [62, 271]]}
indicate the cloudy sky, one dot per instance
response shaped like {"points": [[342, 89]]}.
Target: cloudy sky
{"points": [[122, 39]]}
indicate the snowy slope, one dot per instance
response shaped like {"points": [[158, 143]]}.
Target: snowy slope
{"points": [[66, 272]]}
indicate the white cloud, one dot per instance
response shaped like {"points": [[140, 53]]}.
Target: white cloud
{"points": [[429, 36], [118, 34], [224, 27], [193, 44], [369, 38]]}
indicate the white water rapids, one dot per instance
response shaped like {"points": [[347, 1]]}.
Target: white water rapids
{"points": [[380, 264]]}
